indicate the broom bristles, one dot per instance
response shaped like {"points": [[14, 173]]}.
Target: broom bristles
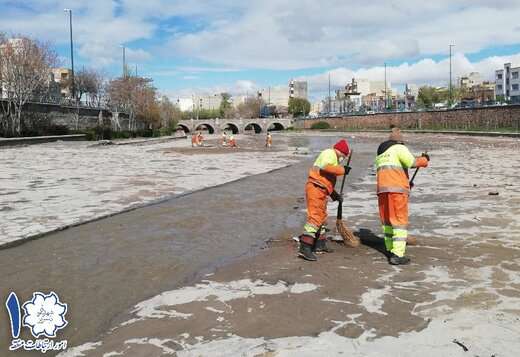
{"points": [[348, 237]]}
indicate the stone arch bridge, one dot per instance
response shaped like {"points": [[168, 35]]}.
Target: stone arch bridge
{"points": [[236, 126]]}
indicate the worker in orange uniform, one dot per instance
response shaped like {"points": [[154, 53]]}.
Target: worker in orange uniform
{"points": [[392, 163], [268, 140], [232, 142], [200, 139], [320, 185], [194, 141]]}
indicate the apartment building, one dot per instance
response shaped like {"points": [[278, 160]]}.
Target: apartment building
{"points": [[507, 83]]}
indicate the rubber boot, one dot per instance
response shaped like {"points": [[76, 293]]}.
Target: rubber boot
{"points": [[306, 248], [395, 260], [321, 247]]}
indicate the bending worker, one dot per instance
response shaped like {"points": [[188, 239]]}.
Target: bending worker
{"points": [[320, 184], [392, 163]]}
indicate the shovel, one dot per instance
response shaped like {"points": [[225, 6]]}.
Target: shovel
{"points": [[346, 234]]}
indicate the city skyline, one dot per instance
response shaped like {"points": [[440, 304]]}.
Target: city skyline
{"points": [[235, 47]]}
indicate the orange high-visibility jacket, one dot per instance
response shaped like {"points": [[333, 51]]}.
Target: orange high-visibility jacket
{"points": [[392, 163], [325, 170]]}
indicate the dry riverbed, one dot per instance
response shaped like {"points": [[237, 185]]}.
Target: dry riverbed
{"points": [[55, 185]]}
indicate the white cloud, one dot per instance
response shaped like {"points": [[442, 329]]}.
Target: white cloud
{"points": [[228, 36], [207, 69], [240, 87], [303, 34], [97, 29], [423, 72], [426, 71]]}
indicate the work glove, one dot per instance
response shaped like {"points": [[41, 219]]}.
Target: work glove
{"points": [[347, 169], [426, 156], [336, 196]]}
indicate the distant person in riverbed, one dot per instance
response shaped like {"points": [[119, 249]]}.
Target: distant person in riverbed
{"points": [[223, 140], [194, 140], [200, 139], [232, 142], [392, 163], [320, 185], [268, 140]]}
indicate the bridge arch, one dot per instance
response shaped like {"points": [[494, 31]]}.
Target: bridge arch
{"points": [[253, 126], [206, 126], [275, 126], [230, 127], [183, 127]]}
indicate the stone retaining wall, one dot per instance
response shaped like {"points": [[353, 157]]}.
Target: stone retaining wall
{"points": [[75, 118], [488, 118]]}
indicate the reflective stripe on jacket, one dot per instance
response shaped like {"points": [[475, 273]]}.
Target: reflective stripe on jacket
{"points": [[325, 170], [392, 168]]}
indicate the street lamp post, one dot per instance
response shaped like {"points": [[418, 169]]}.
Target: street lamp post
{"points": [[451, 85], [329, 96], [386, 89], [124, 60], [73, 89]]}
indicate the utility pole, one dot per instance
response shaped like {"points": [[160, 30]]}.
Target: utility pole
{"points": [[73, 89], [386, 93], [451, 86], [329, 95], [124, 60]]}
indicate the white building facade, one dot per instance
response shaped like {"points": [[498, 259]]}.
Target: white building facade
{"points": [[507, 83]]}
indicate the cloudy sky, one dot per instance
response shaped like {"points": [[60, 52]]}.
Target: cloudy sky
{"points": [[239, 46]]}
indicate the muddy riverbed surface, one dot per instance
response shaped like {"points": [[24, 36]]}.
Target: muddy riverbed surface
{"points": [[215, 272]]}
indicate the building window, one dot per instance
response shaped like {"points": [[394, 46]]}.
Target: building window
{"points": [[499, 87], [499, 76], [515, 87], [515, 75]]}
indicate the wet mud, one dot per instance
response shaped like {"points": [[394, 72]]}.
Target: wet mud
{"points": [[216, 273]]}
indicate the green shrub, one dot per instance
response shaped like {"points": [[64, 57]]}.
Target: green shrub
{"points": [[320, 125]]}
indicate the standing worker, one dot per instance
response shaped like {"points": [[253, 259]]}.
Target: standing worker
{"points": [[194, 139], [268, 140], [320, 184], [200, 139], [392, 163], [224, 139]]}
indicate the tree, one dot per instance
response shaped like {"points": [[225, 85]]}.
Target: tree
{"points": [[170, 114], [136, 96], [225, 105], [250, 108], [299, 106], [25, 71], [429, 96], [88, 82]]}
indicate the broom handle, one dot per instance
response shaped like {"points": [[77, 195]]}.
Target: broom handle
{"points": [[415, 173], [340, 206], [345, 176], [413, 177]]}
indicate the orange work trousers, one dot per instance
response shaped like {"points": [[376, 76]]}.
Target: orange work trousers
{"points": [[316, 197], [393, 211]]}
